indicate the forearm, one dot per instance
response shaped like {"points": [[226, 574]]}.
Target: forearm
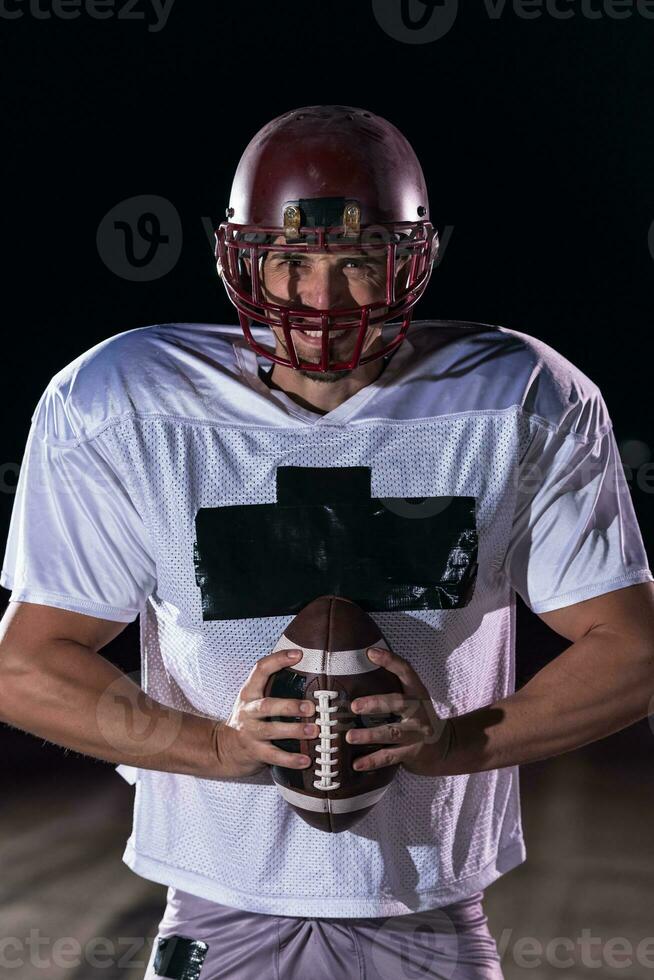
{"points": [[76, 698], [599, 685]]}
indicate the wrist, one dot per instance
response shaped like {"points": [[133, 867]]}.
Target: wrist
{"points": [[221, 763], [218, 768], [198, 748], [442, 748]]}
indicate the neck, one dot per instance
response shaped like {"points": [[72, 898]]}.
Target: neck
{"points": [[325, 392]]}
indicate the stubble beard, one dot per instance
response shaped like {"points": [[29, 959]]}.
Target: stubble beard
{"points": [[325, 376], [328, 377]]}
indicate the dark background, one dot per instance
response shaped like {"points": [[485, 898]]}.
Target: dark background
{"points": [[536, 140]]}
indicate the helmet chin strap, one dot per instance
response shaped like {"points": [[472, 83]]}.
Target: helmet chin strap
{"points": [[266, 373]]}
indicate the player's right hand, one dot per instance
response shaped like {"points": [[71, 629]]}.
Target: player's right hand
{"points": [[243, 743]]}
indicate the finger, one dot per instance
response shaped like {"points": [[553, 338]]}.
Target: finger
{"points": [[398, 665], [278, 757], [279, 707], [271, 663], [381, 759], [270, 730], [380, 704], [386, 735]]}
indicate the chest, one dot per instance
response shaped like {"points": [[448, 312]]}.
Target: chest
{"points": [[256, 522]]}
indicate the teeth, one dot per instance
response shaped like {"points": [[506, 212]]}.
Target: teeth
{"points": [[312, 333]]}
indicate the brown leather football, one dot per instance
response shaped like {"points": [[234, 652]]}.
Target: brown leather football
{"points": [[334, 635]]}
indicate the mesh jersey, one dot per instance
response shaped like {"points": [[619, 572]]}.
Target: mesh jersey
{"points": [[134, 438]]}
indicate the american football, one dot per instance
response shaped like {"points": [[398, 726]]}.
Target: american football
{"points": [[334, 635]]}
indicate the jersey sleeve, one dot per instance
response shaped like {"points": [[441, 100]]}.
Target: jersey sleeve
{"points": [[76, 540], [575, 534]]}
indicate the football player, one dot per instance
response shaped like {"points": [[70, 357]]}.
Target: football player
{"points": [[214, 479]]}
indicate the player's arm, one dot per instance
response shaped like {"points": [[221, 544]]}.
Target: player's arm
{"points": [[599, 685], [602, 683], [55, 684]]}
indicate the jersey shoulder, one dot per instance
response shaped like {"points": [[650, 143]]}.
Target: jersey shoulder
{"points": [[481, 366], [165, 369]]}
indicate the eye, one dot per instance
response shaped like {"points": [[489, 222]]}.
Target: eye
{"points": [[294, 263]]}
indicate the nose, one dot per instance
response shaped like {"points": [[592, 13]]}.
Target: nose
{"points": [[326, 288]]}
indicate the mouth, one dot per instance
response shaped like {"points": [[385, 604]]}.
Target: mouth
{"points": [[311, 340], [314, 337]]}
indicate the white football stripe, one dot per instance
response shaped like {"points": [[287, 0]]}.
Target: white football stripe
{"points": [[318, 661], [324, 805]]}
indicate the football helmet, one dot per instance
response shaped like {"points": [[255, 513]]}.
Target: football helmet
{"points": [[327, 179]]}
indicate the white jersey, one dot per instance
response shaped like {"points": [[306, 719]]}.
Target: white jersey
{"points": [[163, 477]]}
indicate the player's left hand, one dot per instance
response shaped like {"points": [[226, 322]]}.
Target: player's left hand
{"points": [[419, 741]]}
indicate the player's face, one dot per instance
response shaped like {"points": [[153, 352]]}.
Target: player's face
{"points": [[325, 282]]}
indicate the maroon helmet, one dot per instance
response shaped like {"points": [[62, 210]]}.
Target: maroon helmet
{"points": [[327, 179]]}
